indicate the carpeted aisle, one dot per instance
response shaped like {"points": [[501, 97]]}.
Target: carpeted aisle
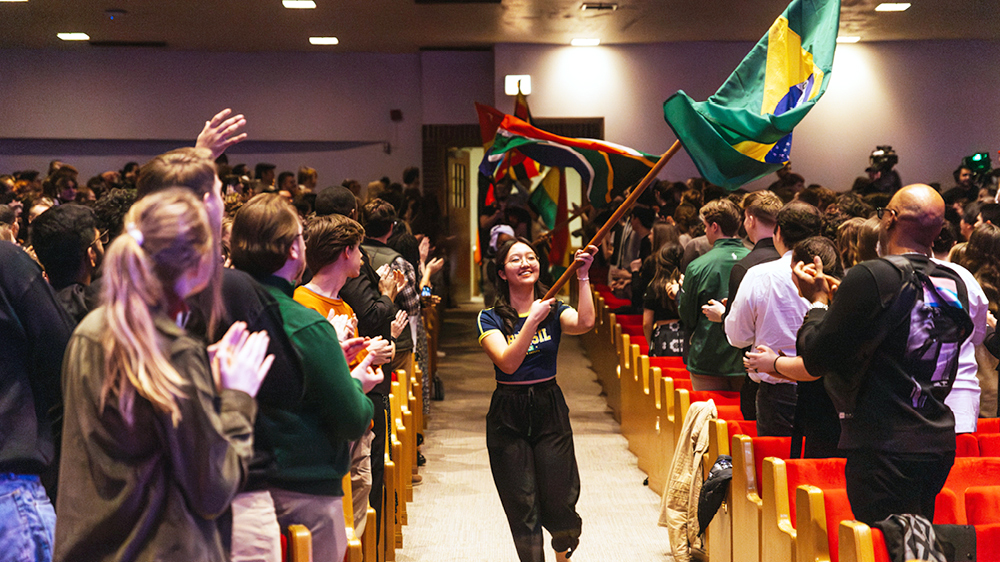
{"points": [[456, 514]]}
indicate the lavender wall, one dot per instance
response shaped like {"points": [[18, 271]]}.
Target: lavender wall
{"points": [[934, 102], [132, 95], [452, 81]]}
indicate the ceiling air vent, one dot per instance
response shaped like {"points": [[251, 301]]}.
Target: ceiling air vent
{"points": [[599, 6]]}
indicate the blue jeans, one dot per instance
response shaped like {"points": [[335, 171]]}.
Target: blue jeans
{"points": [[27, 520]]}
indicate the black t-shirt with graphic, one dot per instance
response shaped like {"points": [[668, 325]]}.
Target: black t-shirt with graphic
{"points": [[540, 362]]}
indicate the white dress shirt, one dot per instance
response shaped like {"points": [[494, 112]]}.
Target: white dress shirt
{"points": [[964, 397], [767, 310]]}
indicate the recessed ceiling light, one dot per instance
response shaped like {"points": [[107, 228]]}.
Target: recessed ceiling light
{"points": [[13, 0], [73, 36], [582, 42], [892, 7], [848, 39], [323, 40], [299, 4]]}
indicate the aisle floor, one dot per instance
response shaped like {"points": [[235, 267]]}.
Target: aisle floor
{"points": [[456, 514]]}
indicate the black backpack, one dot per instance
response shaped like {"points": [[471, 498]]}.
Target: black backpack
{"points": [[939, 324]]}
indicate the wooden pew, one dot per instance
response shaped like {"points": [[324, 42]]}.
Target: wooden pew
{"points": [[719, 534], [355, 550], [665, 427], [387, 539], [746, 501], [299, 544], [797, 530]]}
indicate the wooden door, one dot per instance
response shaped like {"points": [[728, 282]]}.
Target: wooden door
{"points": [[457, 182]]}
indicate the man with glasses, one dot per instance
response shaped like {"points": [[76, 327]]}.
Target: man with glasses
{"points": [[897, 432], [70, 248]]}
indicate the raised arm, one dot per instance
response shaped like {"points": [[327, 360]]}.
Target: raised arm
{"points": [[581, 320], [221, 132]]}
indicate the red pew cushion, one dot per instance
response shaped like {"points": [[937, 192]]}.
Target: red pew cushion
{"points": [[629, 319], [667, 362], [722, 398], [988, 425], [742, 427], [768, 447], [966, 445], [987, 543], [966, 472], [825, 474], [989, 444], [982, 505], [729, 412]]}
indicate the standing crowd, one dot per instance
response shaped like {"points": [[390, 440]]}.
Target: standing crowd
{"points": [[860, 324], [191, 365], [194, 359]]}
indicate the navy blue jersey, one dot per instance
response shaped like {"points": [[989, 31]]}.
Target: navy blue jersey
{"points": [[540, 363]]}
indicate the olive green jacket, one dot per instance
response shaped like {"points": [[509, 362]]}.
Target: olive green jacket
{"points": [[147, 490]]}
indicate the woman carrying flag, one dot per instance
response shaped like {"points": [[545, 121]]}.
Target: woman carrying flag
{"points": [[528, 433]]}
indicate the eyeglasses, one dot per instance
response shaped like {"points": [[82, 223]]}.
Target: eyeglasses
{"points": [[103, 236], [518, 260], [880, 211]]}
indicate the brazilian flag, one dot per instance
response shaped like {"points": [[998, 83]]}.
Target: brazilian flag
{"points": [[744, 131]]}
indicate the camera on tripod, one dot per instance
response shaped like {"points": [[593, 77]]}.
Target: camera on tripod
{"points": [[883, 158]]}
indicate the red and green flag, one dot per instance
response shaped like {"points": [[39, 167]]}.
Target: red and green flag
{"points": [[604, 167]]}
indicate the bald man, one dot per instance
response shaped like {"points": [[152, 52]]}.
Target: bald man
{"points": [[896, 431]]}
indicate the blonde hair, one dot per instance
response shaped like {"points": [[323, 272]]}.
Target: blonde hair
{"points": [[167, 235], [847, 241]]}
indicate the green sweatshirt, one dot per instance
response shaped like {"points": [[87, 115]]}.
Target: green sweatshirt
{"points": [[311, 446], [708, 278]]}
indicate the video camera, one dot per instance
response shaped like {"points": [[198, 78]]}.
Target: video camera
{"points": [[981, 167], [883, 158]]}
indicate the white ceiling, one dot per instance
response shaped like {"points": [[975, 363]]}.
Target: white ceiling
{"points": [[406, 26]]}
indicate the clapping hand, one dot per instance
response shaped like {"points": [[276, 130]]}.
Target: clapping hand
{"points": [[398, 323], [380, 349], [344, 324], [368, 375], [238, 359], [714, 310]]}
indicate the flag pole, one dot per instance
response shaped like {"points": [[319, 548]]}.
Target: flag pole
{"points": [[580, 211], [618, 214]]}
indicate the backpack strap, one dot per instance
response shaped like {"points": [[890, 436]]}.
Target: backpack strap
{"points": [[896, 304]]}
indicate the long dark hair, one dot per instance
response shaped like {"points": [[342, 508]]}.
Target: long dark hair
{"points": [[502, 305], [668, 262], [981, 259]]}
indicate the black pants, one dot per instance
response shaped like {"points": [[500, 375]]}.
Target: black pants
{"points": [[534, 466], [378, 457], [776, 409], [748, 398], [880, 483]]}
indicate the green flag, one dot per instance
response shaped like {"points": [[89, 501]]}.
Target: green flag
{"points": [[744, 131]]}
